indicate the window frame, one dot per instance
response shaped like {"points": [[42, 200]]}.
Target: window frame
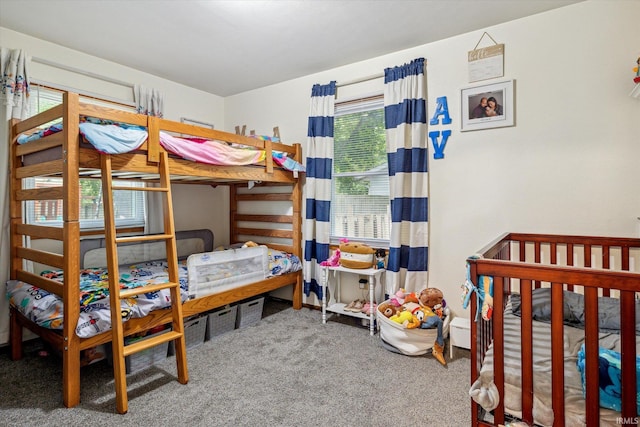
{"points": [[361, 104]]}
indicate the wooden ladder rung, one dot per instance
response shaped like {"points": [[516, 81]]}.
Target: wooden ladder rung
{"points": [[161, 189], [131, 292], [153, 341], [144, 238]]}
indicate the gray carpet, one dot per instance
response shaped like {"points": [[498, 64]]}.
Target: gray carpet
{"points": [[287, 370]]}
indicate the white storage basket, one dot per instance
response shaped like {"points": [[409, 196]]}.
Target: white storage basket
{"points": [[411, 342]]}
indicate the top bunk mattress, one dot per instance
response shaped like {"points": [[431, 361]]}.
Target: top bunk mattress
{"points": [[117, 138]]}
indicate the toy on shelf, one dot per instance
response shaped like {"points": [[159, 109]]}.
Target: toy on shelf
{"points": [[636, 79]]}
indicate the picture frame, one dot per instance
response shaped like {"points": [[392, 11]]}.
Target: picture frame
{"points": [[476, 116]]}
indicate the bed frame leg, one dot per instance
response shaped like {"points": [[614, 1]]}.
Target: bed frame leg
{"points": [[15, 336], [71, 375]]}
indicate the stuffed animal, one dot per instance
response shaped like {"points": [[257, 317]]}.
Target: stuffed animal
{"points": [[398, 298], [411, 297], [405, 318], [430, 297], [387, 309], [333, 260], [356, 255], [250, 244]]}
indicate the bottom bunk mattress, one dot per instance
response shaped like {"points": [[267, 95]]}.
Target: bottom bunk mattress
{"points": [[484, 392], [46, 309]]}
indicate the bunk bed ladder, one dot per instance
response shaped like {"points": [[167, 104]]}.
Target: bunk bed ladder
{"points": [[176, 333]]}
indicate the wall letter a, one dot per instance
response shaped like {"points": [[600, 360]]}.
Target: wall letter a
{"points": [[442, 109], [438, 147]]}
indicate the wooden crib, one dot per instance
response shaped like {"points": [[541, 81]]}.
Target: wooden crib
{"points": [[597, 270]]}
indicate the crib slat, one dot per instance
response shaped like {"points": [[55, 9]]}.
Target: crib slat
{"points": [[592, 404], [526, 325], [628, 351], [498, 345], [557, 354]]}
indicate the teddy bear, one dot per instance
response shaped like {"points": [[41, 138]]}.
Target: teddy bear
{"points": [[387, 309]]}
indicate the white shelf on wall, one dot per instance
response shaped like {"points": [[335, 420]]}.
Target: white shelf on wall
{"points": [[635, 93]]}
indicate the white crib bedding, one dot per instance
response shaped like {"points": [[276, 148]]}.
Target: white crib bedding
{"points": [[484, 392], [46, 309]]}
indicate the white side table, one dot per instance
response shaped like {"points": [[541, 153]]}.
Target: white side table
{"points": [[459, 334], [335, 306]]}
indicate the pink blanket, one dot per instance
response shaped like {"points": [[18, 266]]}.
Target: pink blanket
{"points": [[211, 152]]}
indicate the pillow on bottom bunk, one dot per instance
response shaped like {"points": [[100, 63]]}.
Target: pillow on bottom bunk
{"points": [[610, 378]]}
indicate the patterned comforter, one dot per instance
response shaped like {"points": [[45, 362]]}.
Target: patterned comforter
{"points": [[45, 309]]}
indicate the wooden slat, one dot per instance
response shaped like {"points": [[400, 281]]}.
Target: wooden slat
{"points": [[526, 331], [557, 354], [131, 292], [49, 193], [50, 141], [41, 169], [48, 285], [143, 238], [591, 374], [628, 351], [40, 231], [42, 257], [283, 219], [46, 116], [106, 113], [150, 342], [272, 197], [285, 234]]}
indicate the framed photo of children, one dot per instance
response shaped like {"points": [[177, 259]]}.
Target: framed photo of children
{"points": [[488, 106]]}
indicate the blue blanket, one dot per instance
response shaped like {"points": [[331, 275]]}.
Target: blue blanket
{"points": [[610, 377]]}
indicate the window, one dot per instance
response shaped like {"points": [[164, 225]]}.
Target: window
{"points": [[360, 186], [129, 205]]}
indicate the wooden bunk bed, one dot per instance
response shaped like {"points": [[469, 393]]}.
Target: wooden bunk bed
{"points": [[65, 155], [560, 346]]}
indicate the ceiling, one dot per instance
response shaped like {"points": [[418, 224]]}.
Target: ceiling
{"points": [[229, 47]]}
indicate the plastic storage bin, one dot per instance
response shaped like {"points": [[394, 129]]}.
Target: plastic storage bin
{"points": [[249, 312], [144, 359], [194, 333], [221, 321]]}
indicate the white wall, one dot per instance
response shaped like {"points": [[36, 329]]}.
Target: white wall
{"points": [[570, 165]]}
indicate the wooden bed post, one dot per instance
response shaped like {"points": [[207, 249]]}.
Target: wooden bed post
{"points": [[71, 245]]}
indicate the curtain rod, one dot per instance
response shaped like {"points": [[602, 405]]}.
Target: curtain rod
{"points": [[360, 80], [82, 72]]}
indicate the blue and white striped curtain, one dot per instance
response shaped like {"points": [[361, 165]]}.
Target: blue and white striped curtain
{"points": [[317, 222], [406, 132]]}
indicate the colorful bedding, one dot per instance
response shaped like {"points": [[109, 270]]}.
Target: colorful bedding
{"points": [[610, 379], [115, 138], [45, 309]]}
